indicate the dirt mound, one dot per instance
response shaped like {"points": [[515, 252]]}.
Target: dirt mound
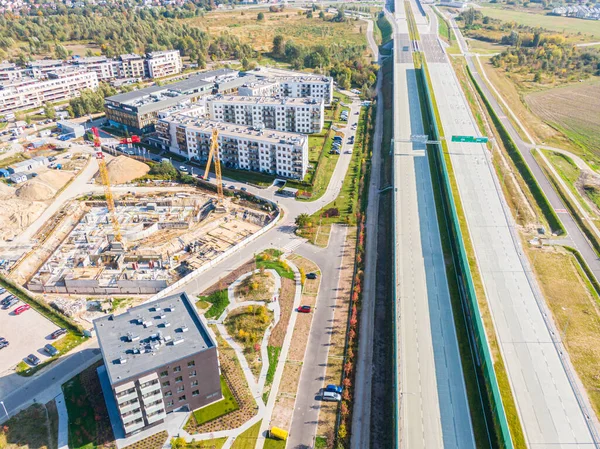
{"points": [[6, 191], [17, 215], [123, 169], [55, 178], [34, 190]]}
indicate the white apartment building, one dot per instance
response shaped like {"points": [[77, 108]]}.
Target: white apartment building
{"points": [[240, 147], [261, 88], [106, 69], [163, 63], [42, 67], [131, 66], [10, 72], [299, 115], [305, 86], [31, 93]]}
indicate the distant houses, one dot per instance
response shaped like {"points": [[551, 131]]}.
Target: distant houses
{"points": [[578, 11]]}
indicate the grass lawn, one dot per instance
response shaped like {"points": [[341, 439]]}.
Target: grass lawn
{"points": [[30, 428], [226, 405], [247, 439], [269, 259], [259, 179], [219, 301], [588, 29]]}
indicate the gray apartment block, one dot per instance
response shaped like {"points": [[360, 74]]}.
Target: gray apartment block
{"points": [[159, 357]]}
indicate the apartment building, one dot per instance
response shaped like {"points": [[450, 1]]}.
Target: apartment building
{"points": [[137, 111], [299, 115], [10, 72], [42, 67], [294, 86], [106, 69], [163, 63], [240, 147], [159, 357], [30, 93], [131, 66]]}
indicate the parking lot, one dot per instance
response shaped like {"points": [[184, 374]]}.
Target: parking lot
{"points": [[27, 334]]}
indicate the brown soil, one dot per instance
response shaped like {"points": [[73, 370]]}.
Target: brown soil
{"points": [[44, 186], [286, 302], [123, 169], [230, 278], [6, 191]]}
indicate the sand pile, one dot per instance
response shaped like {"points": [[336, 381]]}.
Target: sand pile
{"points": [[6, 191], [17, 215], [44, 186], [123, 169]]}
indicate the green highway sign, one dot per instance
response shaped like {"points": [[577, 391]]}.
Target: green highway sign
{"points": [[471, 139]]}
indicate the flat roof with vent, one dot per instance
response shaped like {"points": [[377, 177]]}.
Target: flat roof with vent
{"points": [[149, 336]]}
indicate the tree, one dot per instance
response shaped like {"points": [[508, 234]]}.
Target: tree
{"points": [[278, 46], [178, 443], [261, 16], [322, 15], [60, 52], [538, 77], [165, 170], [302, 275], [303, 220], [309, 15], [49, 111]]}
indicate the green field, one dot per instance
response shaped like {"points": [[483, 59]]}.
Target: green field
{"points": [[590, 29], [226, 405]]}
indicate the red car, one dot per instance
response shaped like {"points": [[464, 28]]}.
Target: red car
{"points": [[19, 310], [304, 309]]}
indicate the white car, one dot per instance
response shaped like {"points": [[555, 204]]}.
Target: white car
{"points": [[183, 168]]}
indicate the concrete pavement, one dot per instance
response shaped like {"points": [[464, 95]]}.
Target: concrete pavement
{"points": [[63, 422], [547, 397], [432, 405]]}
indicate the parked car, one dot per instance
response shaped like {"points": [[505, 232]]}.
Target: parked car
{"points": [[4, 344], [131, 152], [304, 309], [311, 275], [19, 310], [332, 388], [10, 303], [330, 396], [57, 333], [231, 187], [51, 350], [156, 159], [2, 290], [33, 359], [183, 168], [7, 300], [243, 189]]}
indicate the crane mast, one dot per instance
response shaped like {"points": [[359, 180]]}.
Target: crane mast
{"points": [[106, 182], [214, 152]]}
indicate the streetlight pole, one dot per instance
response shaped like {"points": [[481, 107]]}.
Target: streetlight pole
{"points": [[4, 407]]}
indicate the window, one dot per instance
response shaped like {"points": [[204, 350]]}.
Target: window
{"points": [[181, 398], [166, 383], [192, 363], [164, 374], [179, 379], [177, 369], [195, 393], [194, 383], [180, 389], [170, 404], [168, 393], [193, 373]]}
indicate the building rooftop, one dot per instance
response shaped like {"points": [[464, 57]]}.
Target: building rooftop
{"points": [[155, 54], [45, 63], [150, 336], [232, 130], [274, 101], [89, 59], [129, 56], [236, 82]]}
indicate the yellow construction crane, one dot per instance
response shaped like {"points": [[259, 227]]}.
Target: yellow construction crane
{"points": [[214, 152], [106, 182]]}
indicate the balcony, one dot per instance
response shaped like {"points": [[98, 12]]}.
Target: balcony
{"points": [[127, 397], [153, 398], [150, 388], [153, 408], [129, 418], [134, 426], [154, 418]]}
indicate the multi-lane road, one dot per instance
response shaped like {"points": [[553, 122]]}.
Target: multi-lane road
{"points": [[552, 411], [432, 408]]}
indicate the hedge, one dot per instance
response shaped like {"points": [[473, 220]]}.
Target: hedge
{"points": [[521, 164]]}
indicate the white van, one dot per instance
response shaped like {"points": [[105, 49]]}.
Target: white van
{"points": [[330, 396]]}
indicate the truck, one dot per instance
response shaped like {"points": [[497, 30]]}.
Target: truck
{"points": [[278, 433]]}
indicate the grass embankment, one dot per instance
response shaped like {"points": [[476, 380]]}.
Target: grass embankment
{"points": [[213, 411], [36, 427], [271, 259], [385, 28], [89, 424], [219, 301], [480, 386], [521, 165]]}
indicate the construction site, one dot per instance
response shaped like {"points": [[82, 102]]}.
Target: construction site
{"points": [[158, 240]]}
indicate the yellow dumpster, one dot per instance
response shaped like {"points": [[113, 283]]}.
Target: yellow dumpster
{"points": [[278, 434]]}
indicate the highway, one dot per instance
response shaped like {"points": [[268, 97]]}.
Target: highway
{"points": [[545, 392], [432, 402]]}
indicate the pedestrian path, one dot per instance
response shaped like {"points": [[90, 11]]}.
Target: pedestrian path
{"points": [[63, 422]]}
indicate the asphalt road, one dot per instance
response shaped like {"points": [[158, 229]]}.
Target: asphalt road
{"points": [[432, 400], [546, 400], [308, 399]]}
